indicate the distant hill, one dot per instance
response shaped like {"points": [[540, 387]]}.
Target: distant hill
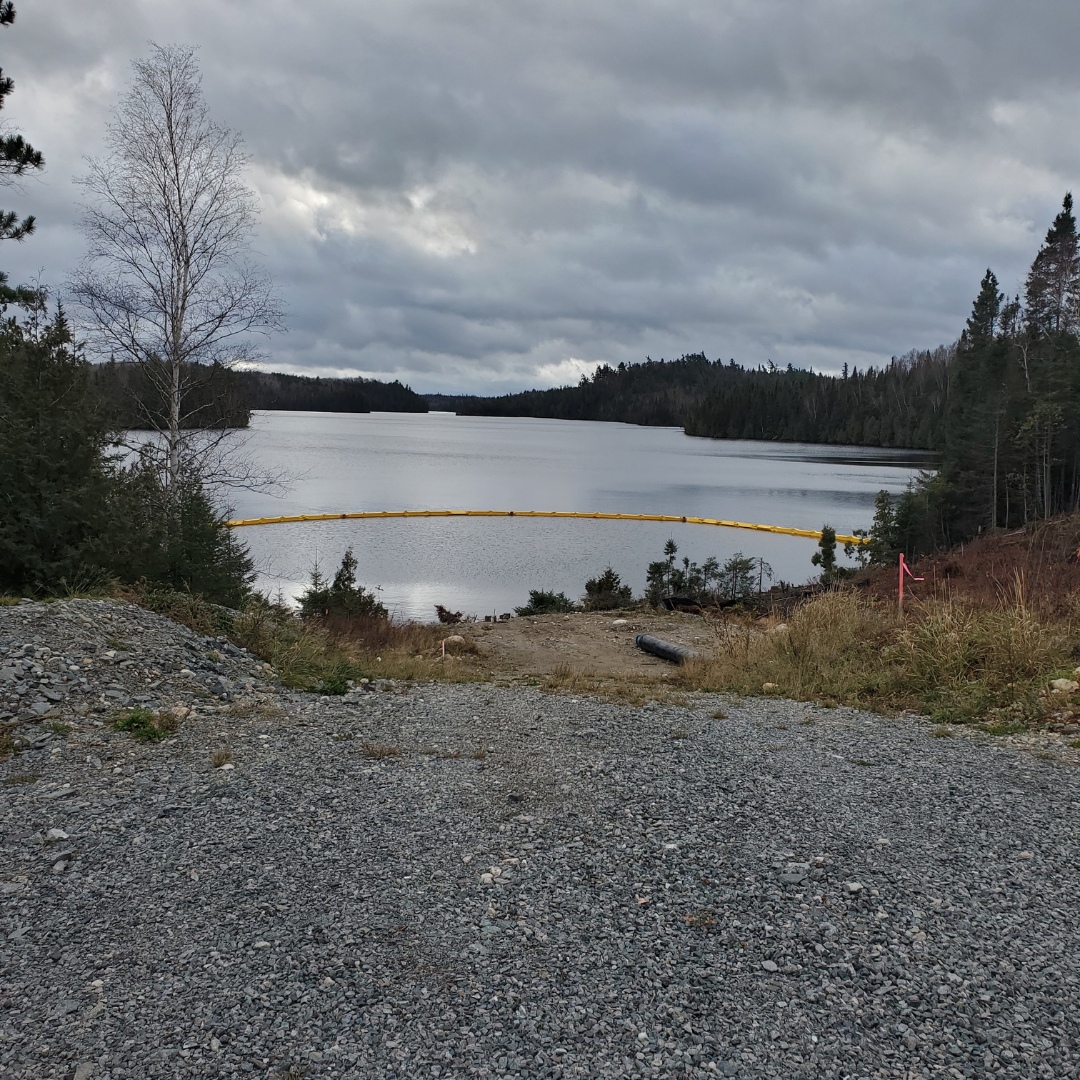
{"points": [[273, 390], [899, 405], [218, 397]]}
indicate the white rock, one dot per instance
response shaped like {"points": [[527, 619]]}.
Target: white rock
{"points": [[227, 766], [486, 879], [769, 965], [1065, 686], [56, 834], [619, 622], [853, 886]]}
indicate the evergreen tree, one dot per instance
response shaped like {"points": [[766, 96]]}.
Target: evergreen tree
{"points": [[985, 312], [17, 156], [54, 482], [342, 595], [606, 592], [1052, 292], [825, 556]]}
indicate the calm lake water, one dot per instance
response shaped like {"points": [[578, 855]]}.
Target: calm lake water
{"points": [[394, 461]]}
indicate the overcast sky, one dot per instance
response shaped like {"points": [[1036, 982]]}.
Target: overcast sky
{"points": [[484, 196]]}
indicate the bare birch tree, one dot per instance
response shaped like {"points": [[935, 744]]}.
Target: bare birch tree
{"points": [[167, 281]]}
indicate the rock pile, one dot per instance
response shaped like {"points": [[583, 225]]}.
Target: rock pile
{"points": [[80, 660]]}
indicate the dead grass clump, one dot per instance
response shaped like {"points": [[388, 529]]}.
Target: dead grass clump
{"points": [[220, 757], [956, 662], [304, 655], [378, 751], [962, 664], [623, 689], [409, 651], [254, 710], [831, 647], [378, 636], [23, 778]]}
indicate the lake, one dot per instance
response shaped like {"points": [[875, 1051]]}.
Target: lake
{"points": [[339, 462]]}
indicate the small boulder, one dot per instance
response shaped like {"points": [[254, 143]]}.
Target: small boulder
{"points": [[1064, 686]]}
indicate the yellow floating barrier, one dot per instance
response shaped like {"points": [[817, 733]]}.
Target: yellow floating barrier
{"points": [[369, 515]]}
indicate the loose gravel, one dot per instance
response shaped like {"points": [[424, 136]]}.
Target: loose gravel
{"points": [[439, 880]]}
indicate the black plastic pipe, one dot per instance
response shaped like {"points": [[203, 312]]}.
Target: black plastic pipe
{"points": [[677, 654]]}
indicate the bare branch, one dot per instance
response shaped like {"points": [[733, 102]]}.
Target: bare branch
{"points": [[167, 281]]}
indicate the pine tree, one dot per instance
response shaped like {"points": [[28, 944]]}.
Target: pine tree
{"points": [[53, 477], [825, 556], [985, 312], [16, 154], [1052, 291]]}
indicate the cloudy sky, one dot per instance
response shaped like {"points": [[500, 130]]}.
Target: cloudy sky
{"points": [[484, 196]]}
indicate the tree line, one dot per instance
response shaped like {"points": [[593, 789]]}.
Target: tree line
{"points": [[219, 397], [899, 405]]}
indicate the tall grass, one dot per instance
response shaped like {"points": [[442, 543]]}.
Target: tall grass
{"points": [[952, 661]]}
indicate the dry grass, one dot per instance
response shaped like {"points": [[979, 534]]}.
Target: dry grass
{"points": [[325, 654], [621, 689], [220, 757], [23, 778], [379, 751], [952, 660], [254, 710]]}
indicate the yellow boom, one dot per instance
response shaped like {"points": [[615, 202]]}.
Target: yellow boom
{"points": [[366, 515]]}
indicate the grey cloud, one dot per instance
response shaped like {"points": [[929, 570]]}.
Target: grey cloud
{"points": [[465, 193]]}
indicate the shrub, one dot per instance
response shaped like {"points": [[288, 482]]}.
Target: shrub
{"points": [[546, 603], [607, 592], [144, 725], [341, 596]]}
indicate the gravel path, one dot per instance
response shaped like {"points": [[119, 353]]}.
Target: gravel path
{"points": [[478, 881]]}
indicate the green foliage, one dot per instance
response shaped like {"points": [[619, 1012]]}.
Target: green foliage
{"points": [[54, 476], [825, 556], [16, 157], [898, 405], [144, 725], [302, 652], [546, 603], [607, 592], [708, 582], [341, 596], [176, 541]]}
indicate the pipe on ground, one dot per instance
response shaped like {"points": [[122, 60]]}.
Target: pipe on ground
{"points": [[666, 650]]}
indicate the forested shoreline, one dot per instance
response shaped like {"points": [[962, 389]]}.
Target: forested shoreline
{"points": [[900, 405], [217, 397]]}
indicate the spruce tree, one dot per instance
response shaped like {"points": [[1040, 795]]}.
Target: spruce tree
{"points": [[1052, 290], [53, 476], [16, 154], [985, 312]]}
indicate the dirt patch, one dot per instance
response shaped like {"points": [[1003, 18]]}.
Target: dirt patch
{"points": [[597, 644]]}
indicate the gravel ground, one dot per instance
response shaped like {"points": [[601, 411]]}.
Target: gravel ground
{"points": [[477, 881]]}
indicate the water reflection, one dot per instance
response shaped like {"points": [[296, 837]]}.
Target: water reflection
{"points": [[386, 461]]}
